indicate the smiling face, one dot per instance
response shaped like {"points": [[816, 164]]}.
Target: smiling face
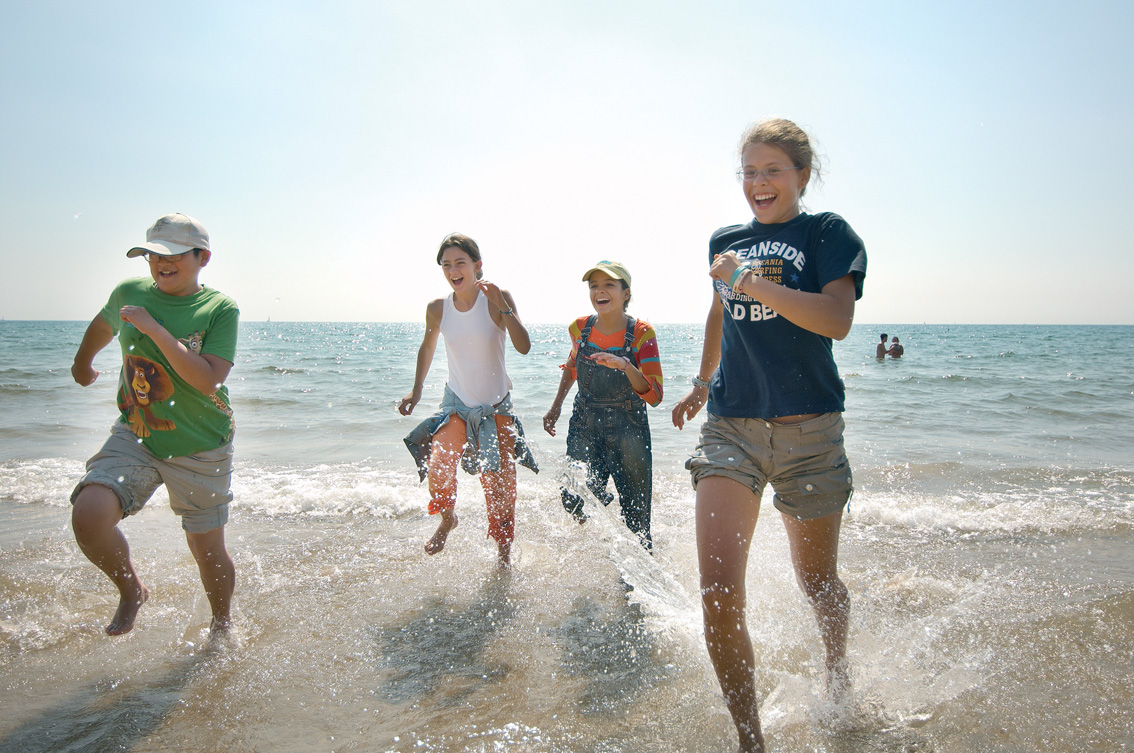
{"points": [[607, 293], [773, 200], [178, 277], [460, 271], [141, 387]]}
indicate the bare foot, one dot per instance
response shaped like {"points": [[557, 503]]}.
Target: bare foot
{"points": [[219, 627], [838, 681], [437, 542], [128, 606], [504, 553]]}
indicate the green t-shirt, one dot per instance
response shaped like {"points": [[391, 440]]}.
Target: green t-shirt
{"points": [[170, 417]]}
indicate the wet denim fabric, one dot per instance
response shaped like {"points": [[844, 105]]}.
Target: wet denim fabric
{"points": [[609, 433], [482, 449]]}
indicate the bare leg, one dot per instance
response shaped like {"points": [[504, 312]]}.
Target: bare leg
{"points": [[437, 541], [726, 517], [815, 554], [218, 573], [94, 518], [444, 454], [500, 491]]}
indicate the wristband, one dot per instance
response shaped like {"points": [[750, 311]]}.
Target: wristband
{"points": [[697, 381], [505, 313], [736, 276]]}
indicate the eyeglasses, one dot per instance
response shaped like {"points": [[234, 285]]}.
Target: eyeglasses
{"points": [[151, 256], [771, 173]]}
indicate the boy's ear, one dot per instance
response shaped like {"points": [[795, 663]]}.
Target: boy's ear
{"points": [[204, 256]]}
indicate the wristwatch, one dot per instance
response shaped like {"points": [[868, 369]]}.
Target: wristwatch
{"points": [[697, 381]]}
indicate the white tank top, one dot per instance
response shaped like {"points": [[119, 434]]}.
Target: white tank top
{"points": [[474, 346]]}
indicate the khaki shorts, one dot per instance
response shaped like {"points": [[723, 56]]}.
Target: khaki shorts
{"points": [[804, 462], [198, 485]]}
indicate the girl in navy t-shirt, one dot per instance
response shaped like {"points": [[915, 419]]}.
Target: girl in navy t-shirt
{"points": [[784, 286]]}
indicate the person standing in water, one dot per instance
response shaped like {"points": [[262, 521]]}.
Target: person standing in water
{"points": [[785, 285], [178, 341], [880, 351], [614, 358], [896, 348], [476, 424]]}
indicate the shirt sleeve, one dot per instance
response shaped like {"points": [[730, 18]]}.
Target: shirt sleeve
{"points": [[841, 252], [110, 312], [576, 333], [221, 338], [649, 360]]}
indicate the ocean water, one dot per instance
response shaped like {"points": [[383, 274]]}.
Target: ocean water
{"points": [[988, 552]]}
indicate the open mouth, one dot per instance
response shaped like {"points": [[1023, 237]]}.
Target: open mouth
{"points": [[763, 200]]}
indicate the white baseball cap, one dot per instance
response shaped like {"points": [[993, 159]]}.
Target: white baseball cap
{"points": [[171, 235]]}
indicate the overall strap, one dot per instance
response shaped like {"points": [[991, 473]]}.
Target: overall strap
{"points": [[586, 334], [631, 323]]}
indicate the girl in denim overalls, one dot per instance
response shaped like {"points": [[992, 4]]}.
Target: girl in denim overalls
{"points": [[615, 362]]}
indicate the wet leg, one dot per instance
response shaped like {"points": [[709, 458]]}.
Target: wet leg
{"points": [[444, 455], [94, 518], [814, 555], [726, 518], [500, 491], [218, 574]]}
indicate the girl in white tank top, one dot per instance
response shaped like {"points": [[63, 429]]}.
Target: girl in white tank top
{"points": [[476, 412], [474, 345]]}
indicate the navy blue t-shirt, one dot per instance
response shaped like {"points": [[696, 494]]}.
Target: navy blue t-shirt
{"points": [[769, 366]]}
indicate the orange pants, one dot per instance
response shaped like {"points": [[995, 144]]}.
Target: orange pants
{"points": [[499, 486]]}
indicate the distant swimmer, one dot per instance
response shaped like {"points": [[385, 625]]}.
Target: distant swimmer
{"points": [[896, 349], [880, 351]]}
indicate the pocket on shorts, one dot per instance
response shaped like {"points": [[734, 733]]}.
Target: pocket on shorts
{"points": [[718, 451], [824, 432], [815, 495]]}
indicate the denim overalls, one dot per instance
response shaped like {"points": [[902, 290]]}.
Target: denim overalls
{"points": [[610, 433]]}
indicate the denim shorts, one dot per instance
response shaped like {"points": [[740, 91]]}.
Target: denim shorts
{"points": [[804, 462], [198, 485]]}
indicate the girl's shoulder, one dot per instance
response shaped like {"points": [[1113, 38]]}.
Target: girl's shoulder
{"points": [[435, 309], [828, 220], [643, 330], [725, 235], [576, 327], [581, 321]]}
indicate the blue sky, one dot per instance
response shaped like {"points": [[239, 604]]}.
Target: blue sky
{"points": [[982, 150]]}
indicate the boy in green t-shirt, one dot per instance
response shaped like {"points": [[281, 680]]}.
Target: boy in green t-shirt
{"points": [[178, 342]]}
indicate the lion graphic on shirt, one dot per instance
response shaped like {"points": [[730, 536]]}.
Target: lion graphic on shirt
{"points": [[144, 383]]}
